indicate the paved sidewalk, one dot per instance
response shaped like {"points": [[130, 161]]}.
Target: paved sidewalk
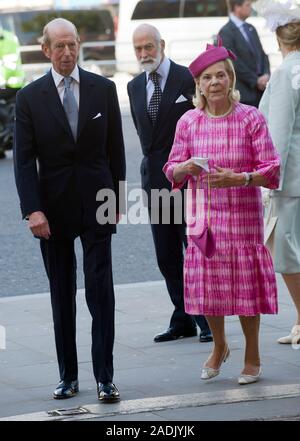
{"points": [[158, 381]]}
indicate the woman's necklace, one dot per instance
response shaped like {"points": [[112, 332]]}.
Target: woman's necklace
{"points": [[219, 116]]}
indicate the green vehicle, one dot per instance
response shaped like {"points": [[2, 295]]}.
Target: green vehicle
{"points": [[12, 75], [12, 78]]}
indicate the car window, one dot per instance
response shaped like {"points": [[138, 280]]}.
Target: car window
{"points": [[91, 25], [205, 8], [147, 9]]}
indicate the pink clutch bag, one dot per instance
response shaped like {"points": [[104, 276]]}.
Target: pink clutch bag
{"points": [[205, 241]]}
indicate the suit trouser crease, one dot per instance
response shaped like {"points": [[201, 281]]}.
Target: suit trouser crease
{"points": [[60, 263], [169, 241], [99, 292]]}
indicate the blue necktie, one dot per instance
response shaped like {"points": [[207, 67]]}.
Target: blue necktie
{"points": [[70, 106], [253, 46], [250, 38], [155, 98]]}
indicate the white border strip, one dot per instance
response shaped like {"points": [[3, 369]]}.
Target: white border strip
{"points": [[129, 407]]}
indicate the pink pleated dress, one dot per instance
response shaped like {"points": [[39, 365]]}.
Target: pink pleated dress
{"points": [[239, 279]]}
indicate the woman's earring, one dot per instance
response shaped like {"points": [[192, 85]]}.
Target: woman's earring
{"points": [[201, 93]]}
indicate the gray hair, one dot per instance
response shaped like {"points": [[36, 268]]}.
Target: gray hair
{"points": [[149, 30], [57, 22], [199, 100]]}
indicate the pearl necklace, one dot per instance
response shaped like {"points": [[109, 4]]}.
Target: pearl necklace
{"points": [[218, 116]]}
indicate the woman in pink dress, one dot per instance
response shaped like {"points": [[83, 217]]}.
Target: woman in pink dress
{"points": [[239, 278]]}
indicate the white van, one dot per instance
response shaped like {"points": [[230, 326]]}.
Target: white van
{"points": [[185, 25]]}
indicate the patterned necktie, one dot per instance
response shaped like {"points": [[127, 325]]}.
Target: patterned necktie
{"points": [[70, 106], [155, 98]]}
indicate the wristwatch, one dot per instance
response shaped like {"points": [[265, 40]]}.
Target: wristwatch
{"points": [[248, 178]]}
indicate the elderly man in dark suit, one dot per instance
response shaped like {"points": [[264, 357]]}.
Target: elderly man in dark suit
{"points": [[158, 98], [69, 123], [252, 65]]}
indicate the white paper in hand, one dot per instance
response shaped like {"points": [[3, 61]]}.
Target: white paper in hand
{"points": [[202, 162]]}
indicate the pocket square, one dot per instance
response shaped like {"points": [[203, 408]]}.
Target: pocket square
{"points": [[181, 99], [97, 116]]}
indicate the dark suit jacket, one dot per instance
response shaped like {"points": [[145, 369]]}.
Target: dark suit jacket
{"points": [[156, 141], [69, 173], [246, 63]]}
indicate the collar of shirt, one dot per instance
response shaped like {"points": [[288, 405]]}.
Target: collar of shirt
{"points": [[58, 77], [237, 21], [58, 80], [163, 71]]}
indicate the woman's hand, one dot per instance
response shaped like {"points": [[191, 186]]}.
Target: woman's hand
{"points": [[224, 177], [186, 168]]}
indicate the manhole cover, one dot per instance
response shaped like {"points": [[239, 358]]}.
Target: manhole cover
{"points": [[69, 411]]}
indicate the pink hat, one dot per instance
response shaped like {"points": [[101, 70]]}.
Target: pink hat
{"points": [[211, 55]]}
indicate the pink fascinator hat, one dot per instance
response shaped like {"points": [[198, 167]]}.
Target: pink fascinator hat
{"points": [[211, 55]]}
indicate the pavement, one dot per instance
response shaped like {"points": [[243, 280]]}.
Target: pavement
{"points": [[157, 381]]}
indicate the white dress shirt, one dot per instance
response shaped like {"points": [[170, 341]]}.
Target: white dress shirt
{"points": [[59, 83], [163, 71]]}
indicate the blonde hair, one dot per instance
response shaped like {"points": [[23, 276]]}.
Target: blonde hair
{"points": [[289, 35], [199, 100]]}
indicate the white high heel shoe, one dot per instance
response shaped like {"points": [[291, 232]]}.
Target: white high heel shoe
{"points": [[208, 373], [292, 338], [247, 379]]}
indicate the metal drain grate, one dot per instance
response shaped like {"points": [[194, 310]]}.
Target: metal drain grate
{"points": [[68, 412]]}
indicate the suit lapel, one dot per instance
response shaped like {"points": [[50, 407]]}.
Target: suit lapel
{"points": [[240, 38], [252, 40], [170, 93], [55, 106], [86, 92], [140, 99], [252, 47], [53, 102]]}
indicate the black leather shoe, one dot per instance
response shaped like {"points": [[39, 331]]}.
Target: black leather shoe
{"points": [[108, 393], [205, 338], [66, 389], [174, 334]]}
